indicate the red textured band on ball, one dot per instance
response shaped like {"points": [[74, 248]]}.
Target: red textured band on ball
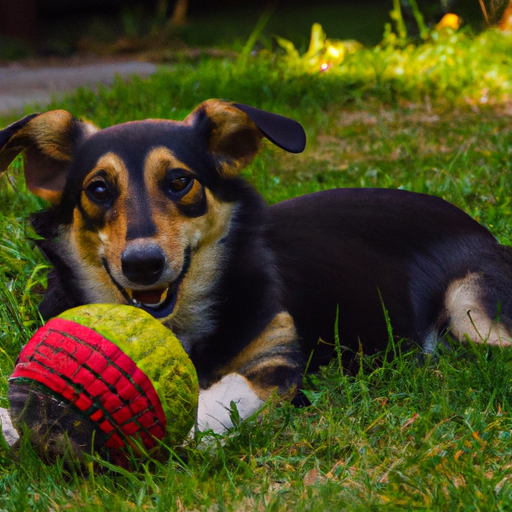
{"points": [[96, 376]]}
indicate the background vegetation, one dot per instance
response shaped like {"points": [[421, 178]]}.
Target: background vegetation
{"points": [[431, 115]]}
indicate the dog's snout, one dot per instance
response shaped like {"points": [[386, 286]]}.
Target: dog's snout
{"points": [[143, 264]]}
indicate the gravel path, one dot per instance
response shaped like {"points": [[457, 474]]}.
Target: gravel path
{"points": [[20, 85]]}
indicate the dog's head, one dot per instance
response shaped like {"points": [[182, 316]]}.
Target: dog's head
{"points": [[140, 205]]}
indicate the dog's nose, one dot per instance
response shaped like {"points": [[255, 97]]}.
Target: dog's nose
{"points": [[142, 263]]}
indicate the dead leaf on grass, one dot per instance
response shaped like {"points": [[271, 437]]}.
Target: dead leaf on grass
{"points": [[313, 477]]}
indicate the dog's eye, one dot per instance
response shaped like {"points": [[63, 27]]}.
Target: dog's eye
{"points": [[98, 191], [179, 184]]}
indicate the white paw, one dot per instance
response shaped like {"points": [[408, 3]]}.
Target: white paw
{"points": [[215, 408], [9, 432]]}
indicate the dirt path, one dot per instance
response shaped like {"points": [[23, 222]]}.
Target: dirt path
{"points": [[36, 84]]}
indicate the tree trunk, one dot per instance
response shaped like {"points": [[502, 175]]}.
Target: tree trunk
{"points": [[179, 15]]}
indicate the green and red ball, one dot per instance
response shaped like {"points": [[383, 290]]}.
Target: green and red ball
{"points": [[104, 377]]}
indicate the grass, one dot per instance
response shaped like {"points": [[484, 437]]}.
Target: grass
{"points": [[413, 434]]}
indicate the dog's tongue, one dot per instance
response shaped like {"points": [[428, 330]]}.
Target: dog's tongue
{"points": [[149, 296]]}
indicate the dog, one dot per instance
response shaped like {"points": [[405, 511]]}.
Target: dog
{"points": [[155, 214]]}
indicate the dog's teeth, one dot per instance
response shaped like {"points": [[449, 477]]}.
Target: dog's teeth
{"points": [[150, 298]]}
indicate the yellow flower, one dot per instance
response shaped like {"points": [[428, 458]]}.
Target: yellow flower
{"points": [[449, 20]]}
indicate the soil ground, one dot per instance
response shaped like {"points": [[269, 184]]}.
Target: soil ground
{"points": [[34, 83]]}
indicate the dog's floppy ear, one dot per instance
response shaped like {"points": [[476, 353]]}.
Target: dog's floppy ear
{"points": [[47, 142], [235, 132]]}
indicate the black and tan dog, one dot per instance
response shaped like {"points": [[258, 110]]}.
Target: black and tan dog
{"points": [[154, 213]]}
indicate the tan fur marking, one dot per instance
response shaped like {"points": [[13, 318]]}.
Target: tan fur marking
{"points": [[208, 257], [158, 162], [52, 196], [280, 332], [112, 168], [235, 139], [468, 318], [47, 141], [88, 247], [173, 232], [50, 132], [177, 232], [112, 240], [91, 276]]}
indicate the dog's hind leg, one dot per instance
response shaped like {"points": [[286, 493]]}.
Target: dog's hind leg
{"points": [[469, 315]]}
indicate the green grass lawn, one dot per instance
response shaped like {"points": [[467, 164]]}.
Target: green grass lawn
{"points": [[414, 434]]}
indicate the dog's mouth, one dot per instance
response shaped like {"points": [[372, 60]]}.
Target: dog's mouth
{"points": [[158, 302], [151, 298]]}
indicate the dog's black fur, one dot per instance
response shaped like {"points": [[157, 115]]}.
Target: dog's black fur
{"points": [[393, 250], [283, 272]]}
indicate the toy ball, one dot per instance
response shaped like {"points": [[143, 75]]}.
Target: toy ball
{"points": [[103, 377]]}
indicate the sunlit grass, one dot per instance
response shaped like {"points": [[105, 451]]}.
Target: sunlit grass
{"points": [[449, 65]]}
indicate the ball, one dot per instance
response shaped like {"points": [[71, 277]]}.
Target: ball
{"points": [[104, 377]]}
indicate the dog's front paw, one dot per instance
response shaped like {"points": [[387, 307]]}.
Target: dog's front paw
{"points": [[227, 402], [10, 434]]}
